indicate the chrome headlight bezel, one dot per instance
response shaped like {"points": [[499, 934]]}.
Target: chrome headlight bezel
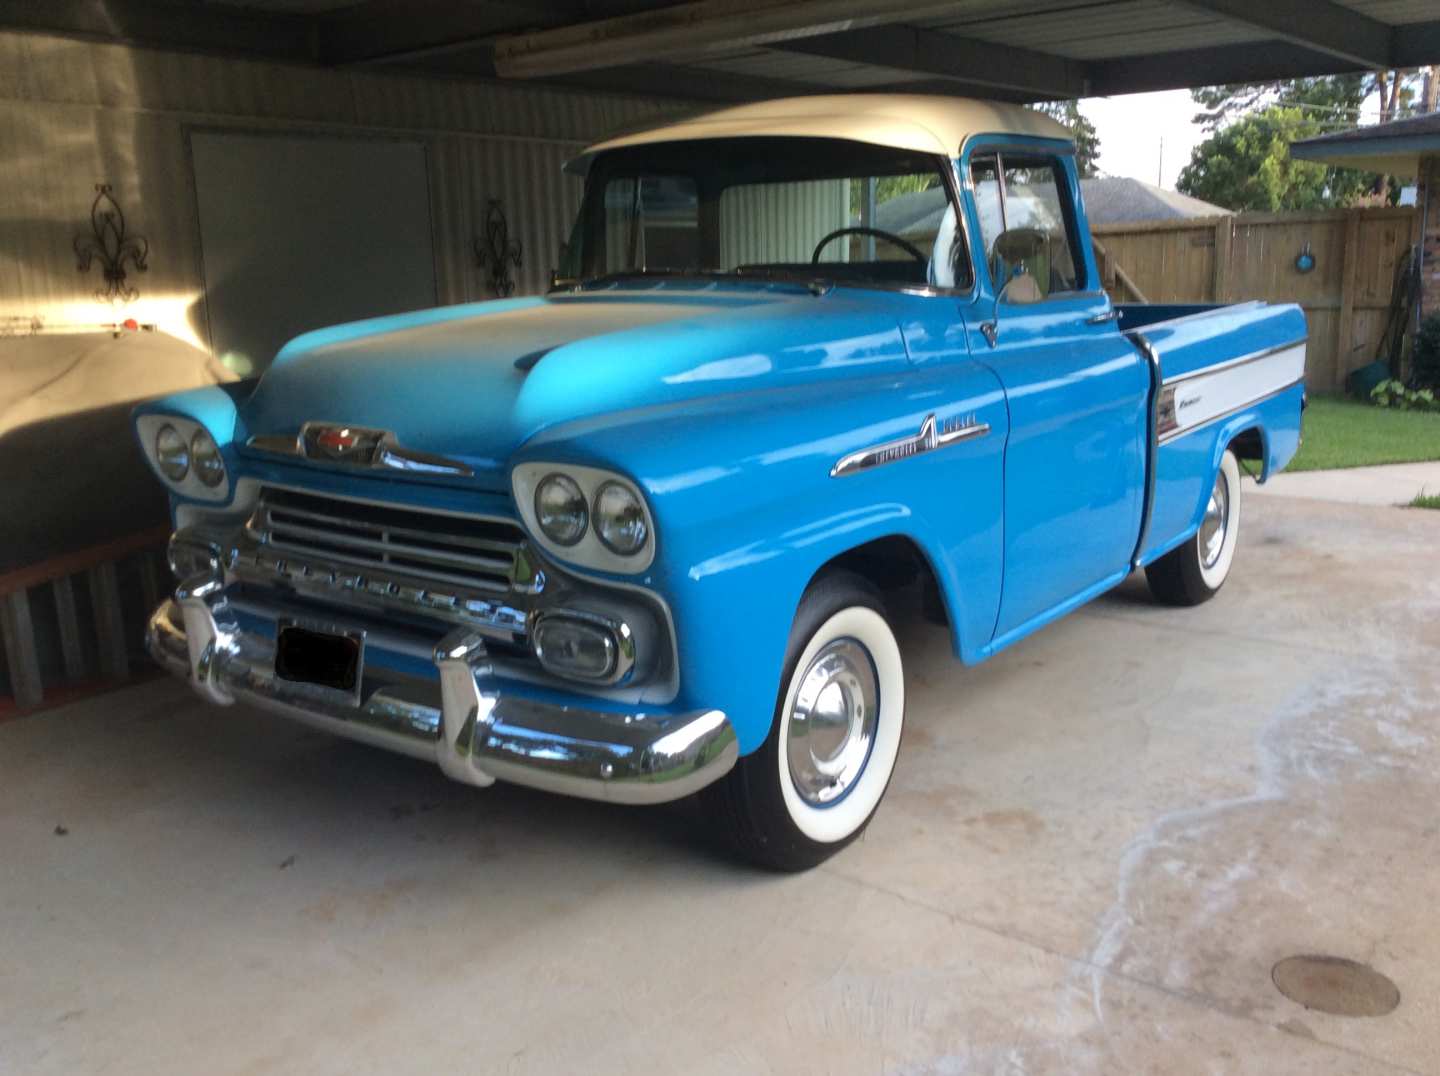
{"points": [[589, 550], [190, 484]]}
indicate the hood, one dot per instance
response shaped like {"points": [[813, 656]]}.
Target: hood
{"points": [[474, 382]]}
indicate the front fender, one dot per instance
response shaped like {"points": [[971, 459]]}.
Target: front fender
{"points": [[747, 512]]}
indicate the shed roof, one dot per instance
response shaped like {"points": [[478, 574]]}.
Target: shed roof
{"points": [[1389, 148], [919, 122]]}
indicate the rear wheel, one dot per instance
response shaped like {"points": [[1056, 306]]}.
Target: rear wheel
{"points": [[815, 783], [1195, 571]]}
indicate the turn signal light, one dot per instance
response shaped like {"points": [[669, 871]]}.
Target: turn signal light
{"points": [[576, 649]]}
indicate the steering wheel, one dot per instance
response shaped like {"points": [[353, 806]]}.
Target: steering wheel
{"points": [[908, 248]]}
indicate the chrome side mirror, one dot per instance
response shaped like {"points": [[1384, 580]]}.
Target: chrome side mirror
{"points": [[1019, 290]]}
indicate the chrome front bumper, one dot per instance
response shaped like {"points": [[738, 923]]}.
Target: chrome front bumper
{"points": [[463, 723]]}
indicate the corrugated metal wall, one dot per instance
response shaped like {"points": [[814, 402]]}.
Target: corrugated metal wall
{"points": [[781, 222], [73, 114]]}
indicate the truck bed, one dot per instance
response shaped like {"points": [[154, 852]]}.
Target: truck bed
{"points": [[1225, 374]]}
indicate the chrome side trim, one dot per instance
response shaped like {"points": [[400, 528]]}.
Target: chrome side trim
{"points": [[464, 722], [1177, 434], [1254, 356], [930, 438]]}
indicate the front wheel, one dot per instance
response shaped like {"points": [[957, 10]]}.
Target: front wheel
{"points": [[815, 783], [1195, 571]]}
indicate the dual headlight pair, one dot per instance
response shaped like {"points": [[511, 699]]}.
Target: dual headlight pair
{"points": [[185, 455], [565, 514], [587, 516], [176, 457]]}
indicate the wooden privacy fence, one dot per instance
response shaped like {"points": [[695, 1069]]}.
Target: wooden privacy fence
{"points": [[1346, 297]]}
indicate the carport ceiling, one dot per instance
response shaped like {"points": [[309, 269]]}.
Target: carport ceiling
{"points": [[729, 50]]}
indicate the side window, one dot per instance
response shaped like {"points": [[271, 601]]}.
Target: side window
{"points": [[1025, 225]]}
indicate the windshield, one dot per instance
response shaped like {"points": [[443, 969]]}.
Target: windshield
{"points": [[793, 207]]}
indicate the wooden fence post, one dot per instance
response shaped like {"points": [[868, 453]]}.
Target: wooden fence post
{"points": [[1224, 243], [1350, 258]]}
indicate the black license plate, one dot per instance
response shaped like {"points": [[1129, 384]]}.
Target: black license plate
{"points": [[318, 657]]}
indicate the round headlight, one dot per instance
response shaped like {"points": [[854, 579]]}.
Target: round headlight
{"points": [[620, 520], [171, 454], [205, 454], [560, 509]]}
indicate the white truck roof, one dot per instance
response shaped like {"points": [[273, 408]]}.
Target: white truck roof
{"points": [[925, 123]]}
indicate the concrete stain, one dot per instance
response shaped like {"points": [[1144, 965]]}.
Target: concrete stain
{"points": [[1014, 819]]}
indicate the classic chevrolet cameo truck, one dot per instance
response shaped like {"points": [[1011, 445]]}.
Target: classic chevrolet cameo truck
{"points": [[634, 539]]}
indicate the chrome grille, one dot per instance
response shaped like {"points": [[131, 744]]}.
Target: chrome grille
{"points": [[475, 554]]}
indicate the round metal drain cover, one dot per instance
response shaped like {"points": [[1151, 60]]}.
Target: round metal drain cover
{"points": [[1335, 985]]}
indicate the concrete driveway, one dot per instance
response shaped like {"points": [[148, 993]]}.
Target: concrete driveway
{"points": [[1095, 848]]}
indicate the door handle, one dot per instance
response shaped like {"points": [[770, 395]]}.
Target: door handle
{"points": [[1100, 319]]}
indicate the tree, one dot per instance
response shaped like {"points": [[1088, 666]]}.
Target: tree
{"points": [[1247, 165], [1087, 139], [1264, 176], [1333, 101]]}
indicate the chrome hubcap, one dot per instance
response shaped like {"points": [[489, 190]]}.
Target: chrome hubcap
{"points": [[832, 722], [1217, 519]]}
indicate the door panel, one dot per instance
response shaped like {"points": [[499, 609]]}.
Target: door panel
{"points": [[1078, 392], [1075, 461]]}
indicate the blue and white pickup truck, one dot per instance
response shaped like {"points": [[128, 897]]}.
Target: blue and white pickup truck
{"points": [[634, 539]]}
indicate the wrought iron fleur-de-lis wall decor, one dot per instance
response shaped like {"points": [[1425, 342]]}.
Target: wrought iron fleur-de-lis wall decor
{"points": [[497, 251], [111, 247]]}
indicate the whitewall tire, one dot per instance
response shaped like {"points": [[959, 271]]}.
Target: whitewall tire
{"points": [[1195, 571], [815, 783]]}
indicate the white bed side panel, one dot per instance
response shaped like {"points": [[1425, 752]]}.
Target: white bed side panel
{"points": [[1204, 396]]}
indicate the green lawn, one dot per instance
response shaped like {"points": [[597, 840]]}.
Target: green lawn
{"points": [[1425, 501], [1346, 433]]}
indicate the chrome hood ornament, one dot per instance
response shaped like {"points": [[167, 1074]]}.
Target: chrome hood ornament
{"points": [[355, 446]]}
